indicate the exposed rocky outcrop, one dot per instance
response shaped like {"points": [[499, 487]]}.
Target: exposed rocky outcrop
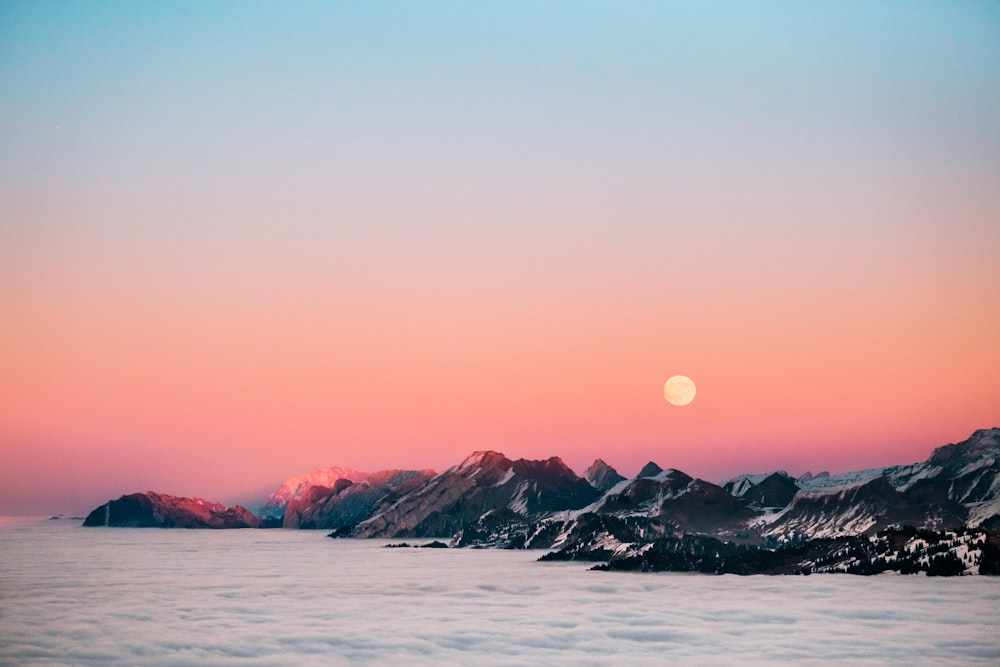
{"points": [[602, 476], [771, 491], [347, 503], [483, 482], [295, 487], [160, 510], [865, 509], [650, 470], [762, 510], [679, 502], [490, 500], [808, 476], [959, 484]]}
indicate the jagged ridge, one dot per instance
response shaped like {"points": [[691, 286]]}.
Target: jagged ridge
{"points": [[490, 500]]}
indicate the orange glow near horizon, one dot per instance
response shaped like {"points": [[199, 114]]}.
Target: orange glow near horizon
{"points": [[425, 383], [218, 272]]}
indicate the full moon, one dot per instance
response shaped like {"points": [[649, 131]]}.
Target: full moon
{"points": [[679, 390]]}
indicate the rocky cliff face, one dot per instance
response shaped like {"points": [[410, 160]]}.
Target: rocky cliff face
{"points": [[160, 510], [863, 510], [972, 472], [982, 448], [653, 504], [677, 501], [295, 487], [484, 482], [957, 486], [906, 551], [774, 491], [490, 500], [602, 476], [347, 503]]}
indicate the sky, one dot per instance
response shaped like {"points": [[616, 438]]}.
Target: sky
{"points": [[242, 240]]}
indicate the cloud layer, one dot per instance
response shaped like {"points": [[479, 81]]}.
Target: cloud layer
{"points": [[153, 596]]}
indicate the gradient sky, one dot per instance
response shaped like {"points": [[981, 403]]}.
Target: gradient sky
{"points": [[242, 240]]}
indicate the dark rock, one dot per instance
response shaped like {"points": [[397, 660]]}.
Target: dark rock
{"points": [[889, 550], [158, 510], [347, 503], [867, 508], [650, 470], [483, 482], [691, 505], [774, 491], [602, 476]]}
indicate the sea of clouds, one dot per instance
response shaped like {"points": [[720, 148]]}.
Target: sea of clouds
{"points": [[73, 595]]}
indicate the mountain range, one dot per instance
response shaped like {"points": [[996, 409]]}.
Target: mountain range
{"points": [[490, 500]]}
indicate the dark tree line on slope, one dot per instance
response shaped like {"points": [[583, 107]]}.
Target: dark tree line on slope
{"points": [[905, 550]]}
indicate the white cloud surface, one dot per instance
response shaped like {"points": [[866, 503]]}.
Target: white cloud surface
{"points": [[71, 595]]}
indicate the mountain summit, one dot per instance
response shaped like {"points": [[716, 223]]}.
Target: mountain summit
{"points": [[295, 487], [602, 476], [482, 483], [491, 500]]}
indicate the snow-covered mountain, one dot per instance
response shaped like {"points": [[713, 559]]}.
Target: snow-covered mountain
{"points": [[677, 502], [770, 490], [955, 487], [484, 482], [490, 500], [968, 473], [959, 484], [863, 508]]}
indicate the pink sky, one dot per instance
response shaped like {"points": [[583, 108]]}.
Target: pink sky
{"points": [[225, 259]]}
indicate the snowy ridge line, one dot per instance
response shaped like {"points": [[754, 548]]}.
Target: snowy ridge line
{"points": [[491, 500]]}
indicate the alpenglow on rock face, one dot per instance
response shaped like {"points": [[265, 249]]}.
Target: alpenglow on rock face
{"points": [[347, 503], [294, 487], [602, 476], [159, 510]]}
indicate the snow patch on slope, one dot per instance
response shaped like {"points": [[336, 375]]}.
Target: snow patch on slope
{"points": [[506, 477], [520, 502], [847, 480]]}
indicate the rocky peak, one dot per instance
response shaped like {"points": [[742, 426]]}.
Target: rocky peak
{"points": [[153, 509], [483, 460], [394, 476], [775, 490], [983, 445], [601, 475], [346, 503], [650, 470], [483, 482], [294, 487], [808, 476], [675, 476], [550, 470]]}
